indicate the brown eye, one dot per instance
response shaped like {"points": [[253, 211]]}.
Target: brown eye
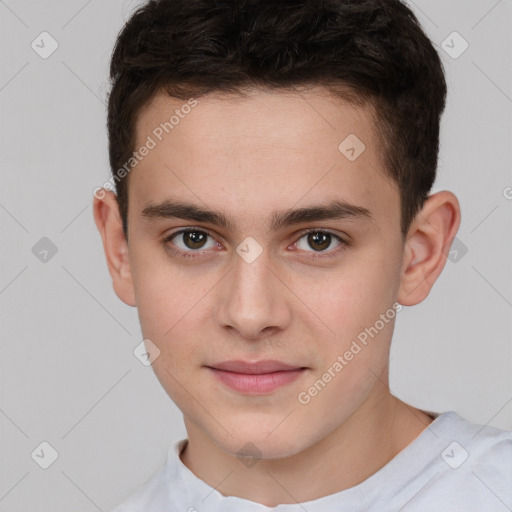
{"points": [[319, 241], [191, 240]]}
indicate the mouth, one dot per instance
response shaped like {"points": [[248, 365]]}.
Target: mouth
{"points": [[260, 377]]}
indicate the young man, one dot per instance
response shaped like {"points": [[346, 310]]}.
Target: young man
{"points": [[273, 161]]}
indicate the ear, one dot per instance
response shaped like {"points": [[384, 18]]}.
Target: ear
{"points": [[115, 245], [427, 246]]}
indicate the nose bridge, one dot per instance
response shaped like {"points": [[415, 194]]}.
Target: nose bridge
{"points": [[251, 302], [251, 279]]}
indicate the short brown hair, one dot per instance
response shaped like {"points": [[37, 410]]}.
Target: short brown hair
{"points": [[375, 48]]}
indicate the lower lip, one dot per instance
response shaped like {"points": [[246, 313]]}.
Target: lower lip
{"points": [[258, 383]]}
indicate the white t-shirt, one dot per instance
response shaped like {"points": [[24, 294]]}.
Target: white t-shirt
{"points": [[452, 466]]}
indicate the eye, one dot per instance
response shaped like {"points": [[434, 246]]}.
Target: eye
{"points": [[319, 241], [190, 240]]}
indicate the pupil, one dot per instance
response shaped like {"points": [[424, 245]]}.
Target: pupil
{"points": [[322, 239]]}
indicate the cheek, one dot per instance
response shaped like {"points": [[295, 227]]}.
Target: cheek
{"points": [[351, 304], [173, 310], [157, 308], [171, 322], [374, 284], [165, 296], [354, 297]]}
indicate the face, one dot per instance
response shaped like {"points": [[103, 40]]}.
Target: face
{"points": [[298, 258]]}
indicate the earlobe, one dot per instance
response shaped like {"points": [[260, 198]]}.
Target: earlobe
{"points": [[109, 224], [426, 248]]}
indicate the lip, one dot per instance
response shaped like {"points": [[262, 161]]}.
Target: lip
{"points": [[257, 377]]}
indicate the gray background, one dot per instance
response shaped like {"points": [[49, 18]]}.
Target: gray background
{"points": [[68, 373]]}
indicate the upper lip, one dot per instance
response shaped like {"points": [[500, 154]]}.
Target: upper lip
{"points": [[254, 368]]}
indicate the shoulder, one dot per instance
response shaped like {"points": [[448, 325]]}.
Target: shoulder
{"points": [[146, 494], [474, 470], [155, 493], [479, 444]]}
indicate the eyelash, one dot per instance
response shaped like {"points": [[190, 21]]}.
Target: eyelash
{"points": [[313, 255]]}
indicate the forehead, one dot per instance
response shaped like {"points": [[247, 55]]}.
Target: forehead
{"points": [[258, 115], [263, 151]]}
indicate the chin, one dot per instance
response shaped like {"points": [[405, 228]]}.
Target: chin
{"points": [[263, 443]]}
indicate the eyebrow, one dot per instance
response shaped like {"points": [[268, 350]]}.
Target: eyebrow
{"points": [[334, 209]]}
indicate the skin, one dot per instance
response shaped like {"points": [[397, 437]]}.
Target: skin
{"points": [[249, 157]]}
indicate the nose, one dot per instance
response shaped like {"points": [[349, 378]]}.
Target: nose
{"points": [[253, 301]]}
